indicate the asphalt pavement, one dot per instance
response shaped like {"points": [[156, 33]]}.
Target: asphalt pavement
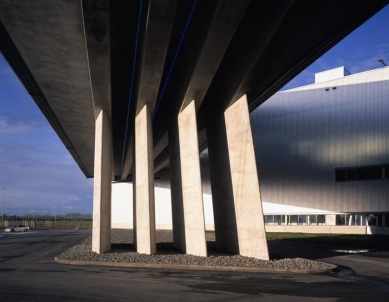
{"points": [[28, 273]]}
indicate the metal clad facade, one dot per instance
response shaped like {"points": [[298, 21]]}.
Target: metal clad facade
{"points": [[302, 135]]}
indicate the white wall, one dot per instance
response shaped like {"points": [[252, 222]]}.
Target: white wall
{"points": [[121, 213], [331, 74], [122, 205]]}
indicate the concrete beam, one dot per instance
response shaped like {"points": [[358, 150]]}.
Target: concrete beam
{"points": [[96, 14], [162, 160], [47, 50], [237, 202], [192, 194], [144, 207], [127, 167], [156, 25], [101, 232]]}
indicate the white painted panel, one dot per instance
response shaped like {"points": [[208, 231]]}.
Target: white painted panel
{"points": [[379, 74], [208, 210], [331, 74], [122, 205]]}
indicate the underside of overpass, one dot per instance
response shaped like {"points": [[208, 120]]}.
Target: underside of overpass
{"points": [[132, 87]]}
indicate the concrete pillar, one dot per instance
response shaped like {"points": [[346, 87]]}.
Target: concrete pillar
{"points": [[236, 192], [176, 189], [101, 232], [192, 194], [221, 185], [144, 209]]}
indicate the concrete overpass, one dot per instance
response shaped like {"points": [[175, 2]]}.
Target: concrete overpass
{"points": [[132, 87]]}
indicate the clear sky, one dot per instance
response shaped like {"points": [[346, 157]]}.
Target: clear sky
{"points": [[39, 173]]}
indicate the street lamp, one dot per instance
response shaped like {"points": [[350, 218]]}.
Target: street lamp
{"points": [[2, 217], [382, 61]]}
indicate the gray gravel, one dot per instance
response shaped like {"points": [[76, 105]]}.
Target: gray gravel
{"points": [[123, 251]]}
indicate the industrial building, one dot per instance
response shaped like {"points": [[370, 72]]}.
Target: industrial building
{"points": [[322, 154]]}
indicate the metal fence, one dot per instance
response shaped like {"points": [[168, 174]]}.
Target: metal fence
{"points": [[50, 224]]}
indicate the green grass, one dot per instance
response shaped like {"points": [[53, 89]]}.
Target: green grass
{"points": [[352, 241]]}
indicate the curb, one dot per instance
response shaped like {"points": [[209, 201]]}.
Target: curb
{"points": [[197, 267]]}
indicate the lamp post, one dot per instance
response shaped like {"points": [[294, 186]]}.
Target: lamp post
{"points": [[2, 217], [382, 61]]}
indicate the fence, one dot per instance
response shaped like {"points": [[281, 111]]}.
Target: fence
{"points": [[51, 224]]}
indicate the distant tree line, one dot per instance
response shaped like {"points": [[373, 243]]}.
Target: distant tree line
{"points": [[39, 217]]}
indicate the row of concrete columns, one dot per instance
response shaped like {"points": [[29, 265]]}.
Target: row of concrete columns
{"points": [[237, 205]]}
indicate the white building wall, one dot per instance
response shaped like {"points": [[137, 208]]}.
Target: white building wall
{"points": [[376, 75], [121, 205], [332, 74], [122, 201], [277, 209]]}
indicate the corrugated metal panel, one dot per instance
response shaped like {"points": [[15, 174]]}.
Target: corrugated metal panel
{"points": [[301, 136]]}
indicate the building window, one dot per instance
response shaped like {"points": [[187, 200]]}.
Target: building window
{"points": [[340, 175], [358, 219], [372, 220], [350, 219], [372, 173], [321, 219], [302, 219], [275, 219], [340, 220], [269, 219], [312, 219], [350, 174], [279, 219], [294, 219], [385, 172], [362, 173], [363, 218]]}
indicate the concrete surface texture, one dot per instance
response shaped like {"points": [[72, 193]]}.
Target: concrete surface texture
{"points": [[237, 205], [144, 184], [245, 187], [192, 194], [101, 241]]}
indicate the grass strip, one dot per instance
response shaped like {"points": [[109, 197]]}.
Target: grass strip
{"points": [[380, 242]]}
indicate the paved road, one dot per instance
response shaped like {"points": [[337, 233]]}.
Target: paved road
{"points": [[27, 273]]}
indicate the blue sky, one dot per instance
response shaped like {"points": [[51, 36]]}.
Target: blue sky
{"points": [[358, 52], [35, 167], [39, 173]]}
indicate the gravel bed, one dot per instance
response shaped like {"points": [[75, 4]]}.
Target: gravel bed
{"points": [[123, 251]]}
